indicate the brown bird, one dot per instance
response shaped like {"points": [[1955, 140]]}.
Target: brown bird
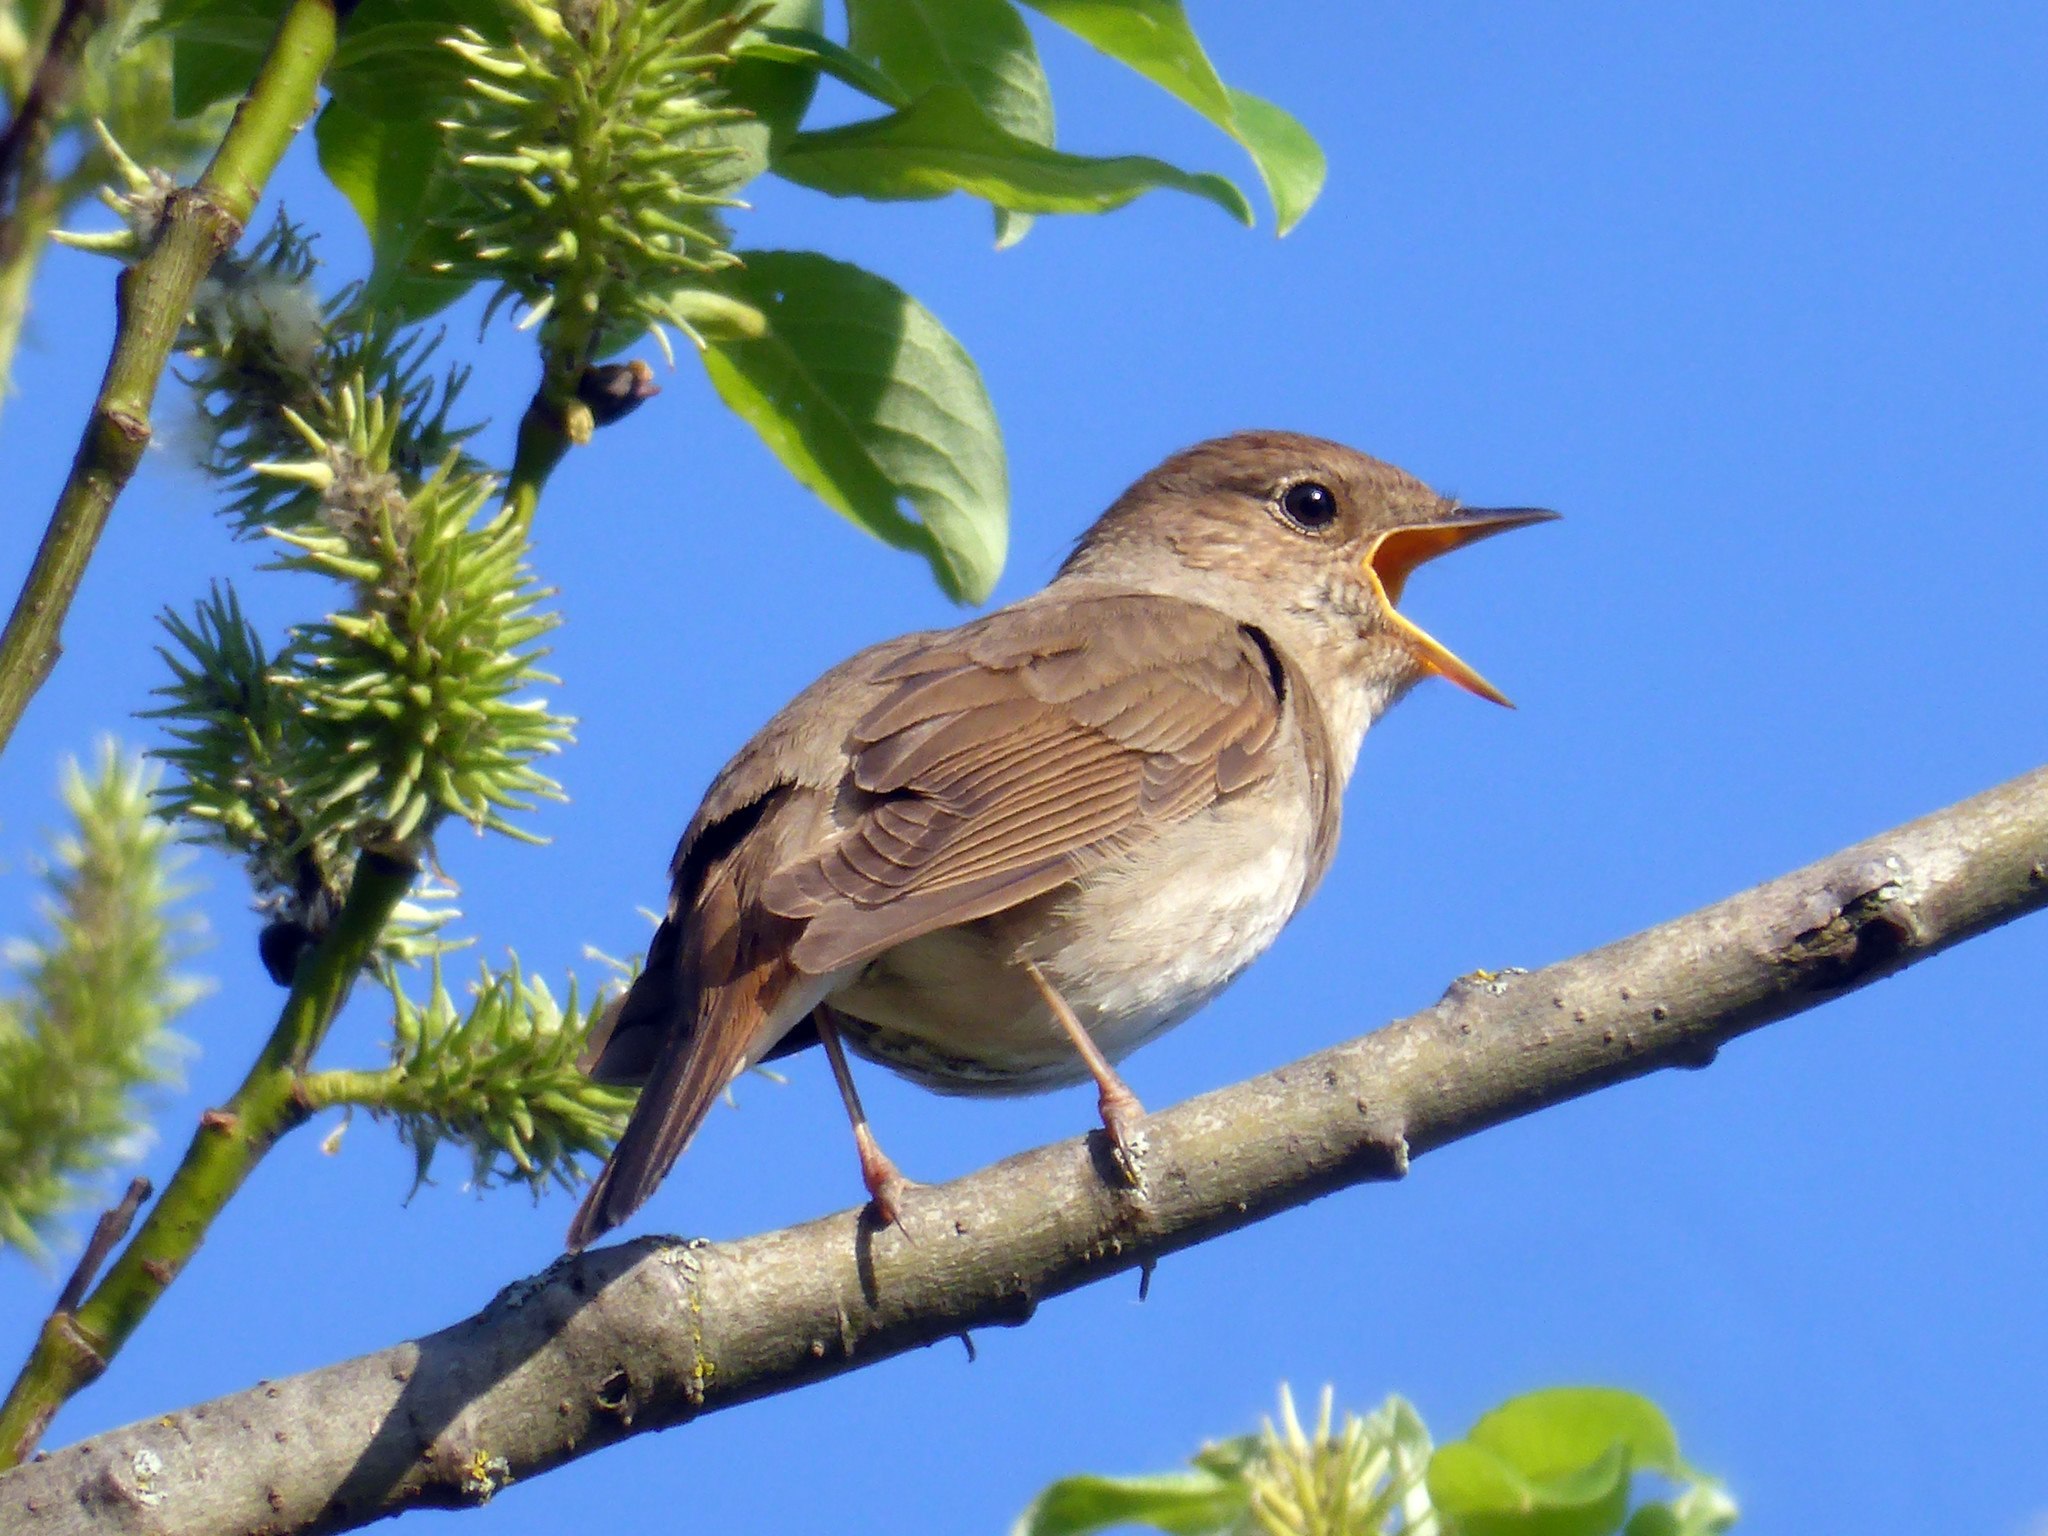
{"points": [[999, 857]]}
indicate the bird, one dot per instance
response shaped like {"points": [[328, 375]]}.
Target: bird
{"points": [[998, 858]]}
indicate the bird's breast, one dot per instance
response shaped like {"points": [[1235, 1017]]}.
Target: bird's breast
{"points": [[1134, 946]]}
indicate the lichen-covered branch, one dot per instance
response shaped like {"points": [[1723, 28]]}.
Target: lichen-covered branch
{"points": [[652, 1333], [151, 299]]}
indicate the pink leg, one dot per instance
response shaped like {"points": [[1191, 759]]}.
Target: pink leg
{"points": [[1121, 1111], [885, 1185]]}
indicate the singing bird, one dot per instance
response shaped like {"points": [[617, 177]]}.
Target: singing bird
{"points": [[999, 858]]}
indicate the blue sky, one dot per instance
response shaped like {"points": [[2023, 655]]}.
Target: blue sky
{"points": [[1755, 298]]}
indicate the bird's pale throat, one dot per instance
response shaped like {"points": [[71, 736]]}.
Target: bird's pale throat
{"points": [[1397, 553]]}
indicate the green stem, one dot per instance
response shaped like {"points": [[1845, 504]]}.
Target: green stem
{"points": [[556, 420], [75, 1347], [543, 441], [341, 1088], [151, 300]]}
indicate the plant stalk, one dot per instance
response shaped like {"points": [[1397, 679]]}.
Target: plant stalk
{"points": [[152, 297]]}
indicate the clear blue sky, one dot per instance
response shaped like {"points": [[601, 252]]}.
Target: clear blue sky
{"points": [[1756, 300]]}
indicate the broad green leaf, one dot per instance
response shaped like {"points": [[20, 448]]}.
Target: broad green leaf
{"points": [[380, 142], [945, 143], [1487, 1495], [216, 46], [872, 404], [1290, 161], [398, 70], [383, 166], [1154, 38], [1185, 1503], [982, 46], [773, 84], [1560, 1429], [818, 53]]}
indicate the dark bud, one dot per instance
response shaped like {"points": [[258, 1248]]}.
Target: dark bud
{"points": [[281, 945], [301, 923], [614, 391]]}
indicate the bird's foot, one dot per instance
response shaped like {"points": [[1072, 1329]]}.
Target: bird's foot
{"points": [[1123, 1117], [885, 1183]]}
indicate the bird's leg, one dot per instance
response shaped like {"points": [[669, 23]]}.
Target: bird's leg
{"points": [[885, 1185], [1121, 1111]]}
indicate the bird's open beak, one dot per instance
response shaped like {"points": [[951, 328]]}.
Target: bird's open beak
{"points": [[1396, 553]]}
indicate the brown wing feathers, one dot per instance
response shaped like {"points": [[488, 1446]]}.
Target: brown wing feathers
{"points": [[995, 763]]}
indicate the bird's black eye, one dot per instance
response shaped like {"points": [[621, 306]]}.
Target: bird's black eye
{"points": [[1309, 505]]}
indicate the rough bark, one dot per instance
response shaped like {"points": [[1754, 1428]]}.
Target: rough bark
{"points": [[652, 1333]]}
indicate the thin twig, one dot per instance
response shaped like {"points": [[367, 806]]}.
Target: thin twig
{"points": [[622, 1340], [26, 137], [112, 1226], [151, 300]]}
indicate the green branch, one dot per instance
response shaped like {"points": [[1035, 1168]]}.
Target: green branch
{"points": [[75, 1347], [199, 224]]}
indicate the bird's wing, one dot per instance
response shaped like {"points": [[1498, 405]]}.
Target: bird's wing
{"points": [[1010, 755]]}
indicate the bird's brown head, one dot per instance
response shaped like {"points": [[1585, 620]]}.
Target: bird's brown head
{"points": [[1305, 537]]}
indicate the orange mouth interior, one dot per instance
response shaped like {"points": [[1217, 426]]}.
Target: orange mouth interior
{"points": [[1396, 554]]}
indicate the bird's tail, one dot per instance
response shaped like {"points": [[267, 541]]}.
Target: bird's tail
{"points": [[700, 1037]]}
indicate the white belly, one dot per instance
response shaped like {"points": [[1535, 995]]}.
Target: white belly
{"points": [[1133, 948]]}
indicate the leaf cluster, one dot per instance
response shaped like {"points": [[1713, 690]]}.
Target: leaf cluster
{"points": [[579, 157], [1559, 1462], [84, 1030]]}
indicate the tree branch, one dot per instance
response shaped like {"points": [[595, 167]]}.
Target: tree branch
{"points": [[655, 1332], [151, 300]]}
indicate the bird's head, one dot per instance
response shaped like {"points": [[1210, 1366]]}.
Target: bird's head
{"points": [[1311, 541]]}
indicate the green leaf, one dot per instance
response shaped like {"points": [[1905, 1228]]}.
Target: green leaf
{"points": [[1153, 37], [1562, 1428], [383, 166], [982, 46], [772, 77], [381, 144], [216, 46], [1184, 1503], [944, 143], [387, 47], [819, 54], [1553, 1463], [1290, 161], [1487, 1495], [867, 399]]}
